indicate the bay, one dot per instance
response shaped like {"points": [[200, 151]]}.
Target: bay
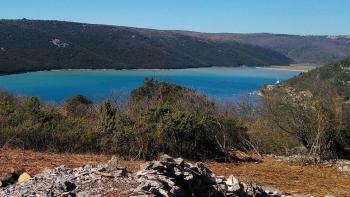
{"points": [[217, 83]]}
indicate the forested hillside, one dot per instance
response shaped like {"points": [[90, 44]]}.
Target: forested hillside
{"points": [[300, 48], [336, 74], [28, 45]]}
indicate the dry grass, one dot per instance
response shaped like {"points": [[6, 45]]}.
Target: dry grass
{"points": [[35, 162], [294, 179], [311, 179]]}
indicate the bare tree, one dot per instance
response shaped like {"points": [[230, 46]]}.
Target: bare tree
{"points": [[312, 117]]}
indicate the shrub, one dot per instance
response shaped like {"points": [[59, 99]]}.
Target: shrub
{"points": [[313, 117], [77, 106], [157, 118]]}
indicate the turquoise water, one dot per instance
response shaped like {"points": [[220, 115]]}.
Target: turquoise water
{"points": [[218, 83]]}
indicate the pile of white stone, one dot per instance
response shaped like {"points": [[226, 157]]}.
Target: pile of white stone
{"points": [[103, 180], [175, 177]]}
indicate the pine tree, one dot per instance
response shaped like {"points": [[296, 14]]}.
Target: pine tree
{"points": [[107, 122]]}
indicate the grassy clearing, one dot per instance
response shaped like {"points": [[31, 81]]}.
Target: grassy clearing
{"points": [[315, 180]]}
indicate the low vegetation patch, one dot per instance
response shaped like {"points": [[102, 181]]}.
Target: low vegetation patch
{"points": [[157, 118]]}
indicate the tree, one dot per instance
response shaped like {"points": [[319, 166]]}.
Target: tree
{"points": [[107, 123], [32, 106], [77, 106], [313, 117], [7, 105]]}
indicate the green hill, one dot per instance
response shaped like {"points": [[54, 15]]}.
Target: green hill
{"points": [[30, 45], [300, 48], [336, 74]]}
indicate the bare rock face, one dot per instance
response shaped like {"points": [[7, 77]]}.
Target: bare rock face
{"points": [[58, 43], [174, 177]]}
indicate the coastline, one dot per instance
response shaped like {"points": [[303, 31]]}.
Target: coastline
{"points": [[106, 69], [80, 69], [286, 68], [115, 69], [294, 67]]}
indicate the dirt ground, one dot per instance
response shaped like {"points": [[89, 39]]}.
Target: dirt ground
{"points": [[314, 180]]}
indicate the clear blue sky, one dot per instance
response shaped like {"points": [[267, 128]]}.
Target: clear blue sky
{"points": [[247, 16]]}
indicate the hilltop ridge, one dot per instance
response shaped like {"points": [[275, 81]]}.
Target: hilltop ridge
{"points": [[317, 49], [30, 45]]}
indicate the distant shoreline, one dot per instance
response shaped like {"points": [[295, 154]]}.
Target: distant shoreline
{"points": [[154, 69], [83, 69], [105, 69], [287, 69], [296, 68]]}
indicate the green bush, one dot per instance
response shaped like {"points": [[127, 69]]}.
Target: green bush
{"points": [[157, 118], [27, 123], [78, 106]]}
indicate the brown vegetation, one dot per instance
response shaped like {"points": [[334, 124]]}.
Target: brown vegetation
{"points": [[314, 120]]}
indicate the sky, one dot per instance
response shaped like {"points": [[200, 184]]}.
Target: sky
{"points": [[306, 17]]}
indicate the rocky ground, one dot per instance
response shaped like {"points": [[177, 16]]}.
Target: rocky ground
{"points": [[83, 181], [175, 177], [316, 180], [164, 178]]}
